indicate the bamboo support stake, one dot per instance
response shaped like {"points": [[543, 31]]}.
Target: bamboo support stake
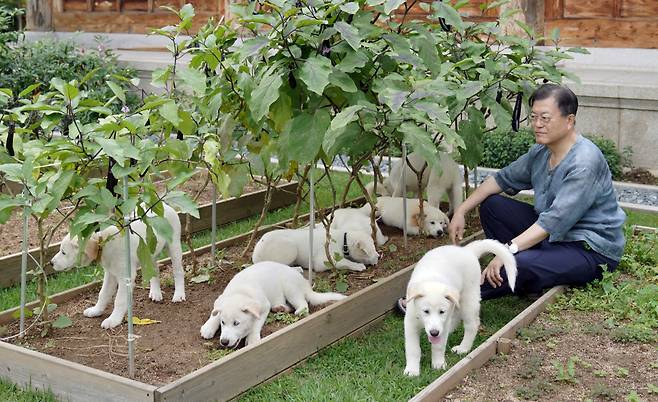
{"points": [[128, 284], [213, 226], [26, 215], [404, 193], [311, 226]]}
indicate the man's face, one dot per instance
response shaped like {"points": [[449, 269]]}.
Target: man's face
{"points": [[549, 124]]}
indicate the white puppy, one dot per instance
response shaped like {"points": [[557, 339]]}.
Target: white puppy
{"points": [[391, 211], [290, 247], [448, 180], [444, 288], [241, 310], [108, 247], [349, 219]]}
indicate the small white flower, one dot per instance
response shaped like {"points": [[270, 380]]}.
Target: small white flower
{"points": [[125, 109]]}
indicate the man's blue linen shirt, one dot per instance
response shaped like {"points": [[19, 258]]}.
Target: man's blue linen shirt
{"points": [[575, 201]]}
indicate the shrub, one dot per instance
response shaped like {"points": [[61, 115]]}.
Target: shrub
{"points": [[29, 63], [8, 26], [502, 148]]}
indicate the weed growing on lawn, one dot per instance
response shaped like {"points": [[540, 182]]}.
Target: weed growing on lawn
{"points": [[536, 333], [285, 318], [530, 366], [567, 372], [535, 390]]}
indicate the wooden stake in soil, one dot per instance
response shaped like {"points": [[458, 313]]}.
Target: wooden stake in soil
{"points": [[311, 226], [404, 194], [26, 214], [129, 293], [213, 226]]}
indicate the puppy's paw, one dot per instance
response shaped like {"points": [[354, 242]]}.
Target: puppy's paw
{"points": [[92, 312], [282, 308], [459, 349], [111, 322], [178, 297], [207, 331], [411, 371], [359, 267], [439, 364], [155, 294]]}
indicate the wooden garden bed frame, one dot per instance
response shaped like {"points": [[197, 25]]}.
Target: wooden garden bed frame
{"points": [[239, 371], [229, 210]]}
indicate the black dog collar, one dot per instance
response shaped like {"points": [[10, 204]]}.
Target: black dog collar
{"points": [[346, 250]]}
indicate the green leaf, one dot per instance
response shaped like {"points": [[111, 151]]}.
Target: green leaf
{"points": [[181, 201], [7, 205], [146, 261], [345, 117], [392, 5], [161, 227], [303, 137], [393, 98], [281, 111], [63, 321], [28, 90], [471, 133], [350, 33], [252, 47], [315, 73], [421, 141], [350, 8], [342, 81], [193, 79], [169, 110], [451, 15], [119, 150], [341, 286], [118, 91], [352, 61], [160, 76], [264, 95]]}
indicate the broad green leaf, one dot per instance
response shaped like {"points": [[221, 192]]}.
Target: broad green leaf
{"points": [[421, 142], [392, 5], [451, 15], [118, 91], [352, 61], [281, 111], [183, 203], [349, 33], [304, 136], [315, 73], [252, 47], [161, 227], [169, 110], [345, 117], [393, 98], [471, 133], [90, 218], [146, 261], [63, 321], [193, 79], [119, 150], [264, 95], [160, 76], [427, 51], [7, 205], [350, 8], [187, 126], [28, 90], [342, 81]]}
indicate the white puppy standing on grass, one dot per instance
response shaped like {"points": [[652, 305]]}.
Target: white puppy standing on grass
{"points": [[290, 247], [443, 290], [108, 247], [391, 212], [242, 309]]}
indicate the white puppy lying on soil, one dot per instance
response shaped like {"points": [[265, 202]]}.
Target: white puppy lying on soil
{"points": [[449, 180], [290, 247], [350, 219], [108, 248], [444, 288], [241, 310], [391, 212]]}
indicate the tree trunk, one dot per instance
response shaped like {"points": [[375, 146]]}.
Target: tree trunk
{"points": [[263, 212], [39, 15]]}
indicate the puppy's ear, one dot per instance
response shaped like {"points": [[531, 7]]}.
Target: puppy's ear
{"points": [[92, 247], [414, 293], [252, 308], [453, 296]]}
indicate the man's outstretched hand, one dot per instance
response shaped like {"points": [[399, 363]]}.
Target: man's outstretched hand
{"points": [[456, 228]]}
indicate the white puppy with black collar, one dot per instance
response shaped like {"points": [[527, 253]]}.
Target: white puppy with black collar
{"points": [[108, 247], [242, 309], [291, 247], [443, 290]]}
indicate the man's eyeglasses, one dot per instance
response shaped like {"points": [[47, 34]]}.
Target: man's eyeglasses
{"points": [[545, 119]]}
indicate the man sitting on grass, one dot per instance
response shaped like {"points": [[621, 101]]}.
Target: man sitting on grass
{"points": [[574, 230]]}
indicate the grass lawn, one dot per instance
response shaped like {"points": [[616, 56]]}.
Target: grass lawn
{"points": [[368, 367]]}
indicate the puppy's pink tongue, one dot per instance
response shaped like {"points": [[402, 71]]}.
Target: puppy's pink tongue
{"points": [[434, 339]]}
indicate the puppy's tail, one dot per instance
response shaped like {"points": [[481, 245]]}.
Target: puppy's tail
{"points": [[480, 247], [321, 298]]}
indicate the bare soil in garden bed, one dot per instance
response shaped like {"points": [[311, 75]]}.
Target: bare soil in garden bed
{"points": [[640, 176], [173, 347], [11, 232], [567, 357]]}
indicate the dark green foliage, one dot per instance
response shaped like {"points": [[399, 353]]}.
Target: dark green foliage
{"points": [[9, 14], [30, 63], [502, 148]]}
